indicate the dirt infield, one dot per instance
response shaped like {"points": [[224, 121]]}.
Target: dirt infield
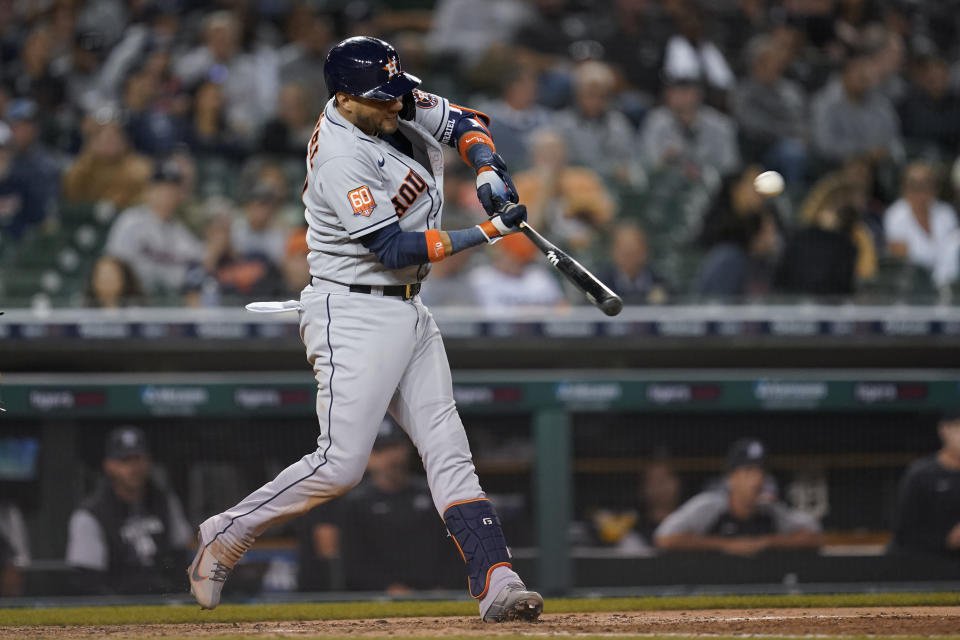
{"points": [[872, 621]]}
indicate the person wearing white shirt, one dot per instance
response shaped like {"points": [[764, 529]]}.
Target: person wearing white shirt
{"points": [[514, 280], [918, 227], [152, 241]]}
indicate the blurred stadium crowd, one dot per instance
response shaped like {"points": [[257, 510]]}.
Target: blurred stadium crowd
{"points": [[151, 151]]}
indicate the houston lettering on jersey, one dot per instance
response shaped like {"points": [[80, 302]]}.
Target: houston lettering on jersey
{"points": [[413, 185]]}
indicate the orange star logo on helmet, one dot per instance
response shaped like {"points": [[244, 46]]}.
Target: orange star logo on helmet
{"points": [[393, 67]]}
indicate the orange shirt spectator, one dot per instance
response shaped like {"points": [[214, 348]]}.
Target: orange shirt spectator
{"points": [[572, 202], [106, 169]]}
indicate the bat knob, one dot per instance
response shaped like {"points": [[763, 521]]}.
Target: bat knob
{"points": [[612, 305]]}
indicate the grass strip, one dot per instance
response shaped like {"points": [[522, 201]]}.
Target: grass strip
{"points": [[608, 636], [160, 614]]}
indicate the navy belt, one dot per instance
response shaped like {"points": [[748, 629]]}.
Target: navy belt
{"points": [[405, 291]]}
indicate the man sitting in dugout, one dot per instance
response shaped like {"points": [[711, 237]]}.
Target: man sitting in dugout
{"points": [[742, 516], [130, 534]]}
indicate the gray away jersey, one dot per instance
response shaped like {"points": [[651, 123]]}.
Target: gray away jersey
{"points": [[357, 184]]}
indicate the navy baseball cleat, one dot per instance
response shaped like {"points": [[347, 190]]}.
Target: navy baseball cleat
{"points": [[207, 575], [514, 602]]}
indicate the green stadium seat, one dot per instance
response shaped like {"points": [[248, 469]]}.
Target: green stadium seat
{"points": [[20, 284], [41, 250]]}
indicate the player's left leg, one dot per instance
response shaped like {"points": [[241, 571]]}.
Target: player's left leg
{"points": [[359, 347], [424, 407]]}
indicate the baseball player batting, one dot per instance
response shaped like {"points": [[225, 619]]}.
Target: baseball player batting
{"points": [[374, 199]]}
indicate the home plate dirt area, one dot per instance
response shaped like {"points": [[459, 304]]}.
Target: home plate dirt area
{"points": [[820, 622]]}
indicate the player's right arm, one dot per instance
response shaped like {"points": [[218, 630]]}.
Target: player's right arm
{"points": [[466, 130], [396, 249], [353, 187]]}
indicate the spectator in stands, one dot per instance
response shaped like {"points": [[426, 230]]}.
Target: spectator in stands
{"points": [[515, 114], [555, 28], [851, 117], [296, 269], [820, 258], [739, 517], [155, 107], [113, 284], [743, 263], [288, 133], [14, 549], [249, 80], [571, 203], [82, 72], [930, 111], [598, 136], [463, 30], [152, 34], [259, 232], [20, 205], [856, 175], [919, 228], [106, 169], [364, 527], [686, 135], [130, 534], [514, 279], [771, 112], [39, 166], [927, 516], [195, 207], [658, 495], [208, 132], [634, 42], [629, 274], [886, 50], [736, 199], [691, 53], [29, 75], [246, 255], [310, 36], [157, 246], [853, 18]]}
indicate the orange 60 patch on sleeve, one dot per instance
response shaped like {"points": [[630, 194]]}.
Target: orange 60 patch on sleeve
{"points": [[362, 201]]}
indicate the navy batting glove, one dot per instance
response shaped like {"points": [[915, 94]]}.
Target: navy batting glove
{"points": [[505, 221], [494, 184], [409, 110], [512, 214]]}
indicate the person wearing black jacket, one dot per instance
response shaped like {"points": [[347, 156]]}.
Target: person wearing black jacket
{"points": [[821, 259], [927, 516], [130, 534]]}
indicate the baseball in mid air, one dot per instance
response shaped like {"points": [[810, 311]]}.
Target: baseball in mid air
{"points": [[768, 184]]}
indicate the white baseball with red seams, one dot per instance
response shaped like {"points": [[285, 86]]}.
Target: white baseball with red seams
{"points": [[769, 184]]}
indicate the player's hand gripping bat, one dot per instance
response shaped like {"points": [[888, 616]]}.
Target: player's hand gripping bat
{"points": [[490, 187], [597, 292]]}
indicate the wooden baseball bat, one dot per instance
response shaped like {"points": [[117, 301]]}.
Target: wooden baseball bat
{"points": [[597, 292]]}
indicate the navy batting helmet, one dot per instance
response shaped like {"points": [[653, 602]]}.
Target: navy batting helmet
{"points": [[367, 67]]}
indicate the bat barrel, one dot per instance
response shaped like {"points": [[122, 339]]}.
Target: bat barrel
{"points": [[597, 292]]}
